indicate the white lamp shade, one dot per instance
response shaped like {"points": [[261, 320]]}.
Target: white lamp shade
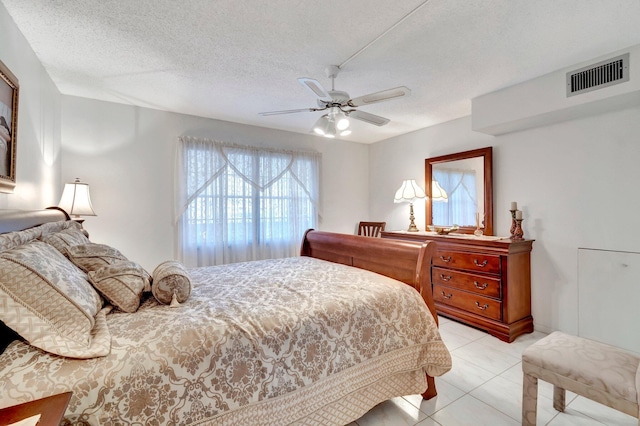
{"points": [[76, 200], [321, 125], [438, 193], [409, 192], [342, 122]]}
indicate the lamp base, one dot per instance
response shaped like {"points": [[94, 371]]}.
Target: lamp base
{"points": [[412, 224]]}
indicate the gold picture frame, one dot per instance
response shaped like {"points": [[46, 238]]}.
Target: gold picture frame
{"points": [[9, 91]]}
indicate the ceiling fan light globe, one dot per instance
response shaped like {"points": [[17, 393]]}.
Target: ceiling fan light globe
{"points": [[345, 133], [343, 123], [323, 125], [329, 136]]}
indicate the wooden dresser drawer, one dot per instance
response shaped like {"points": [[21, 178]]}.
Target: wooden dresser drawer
{"points": [[469, 302], [481, 284], [486, 281], [469, 261]]}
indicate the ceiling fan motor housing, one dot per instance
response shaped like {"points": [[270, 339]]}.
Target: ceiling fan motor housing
{"points": [[338, 98]]}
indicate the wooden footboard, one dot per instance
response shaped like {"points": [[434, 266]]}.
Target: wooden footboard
{"points": [[406, 261]]}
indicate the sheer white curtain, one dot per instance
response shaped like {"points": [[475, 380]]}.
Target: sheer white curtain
{"points": [[460, 186], [237, 203]]}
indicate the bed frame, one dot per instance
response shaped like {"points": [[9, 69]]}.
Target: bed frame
{"points": [[17, 220], [405, 261]]}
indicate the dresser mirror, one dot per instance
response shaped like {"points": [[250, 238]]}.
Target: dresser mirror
{"points": [[460, 191]]}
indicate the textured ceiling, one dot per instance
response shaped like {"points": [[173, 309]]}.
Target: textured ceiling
{"points": [[231, 59]]}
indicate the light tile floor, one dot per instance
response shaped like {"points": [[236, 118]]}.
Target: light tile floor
{"points": [[484, 387]]}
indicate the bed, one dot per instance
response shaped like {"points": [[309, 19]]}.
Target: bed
{"points": [[317, 339]]}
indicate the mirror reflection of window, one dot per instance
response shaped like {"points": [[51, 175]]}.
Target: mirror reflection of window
{"points": [[462, 208], [460, 186]]}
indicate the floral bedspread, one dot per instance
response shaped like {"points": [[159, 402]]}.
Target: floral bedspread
{"points": [[265, 342]]}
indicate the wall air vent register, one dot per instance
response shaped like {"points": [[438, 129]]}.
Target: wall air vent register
{"points": [[599, 75]]}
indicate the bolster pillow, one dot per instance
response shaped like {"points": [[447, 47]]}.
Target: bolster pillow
{"points": [[171, 283]]}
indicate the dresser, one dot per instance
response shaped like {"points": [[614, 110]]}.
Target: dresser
{"points": [[484, 282]]}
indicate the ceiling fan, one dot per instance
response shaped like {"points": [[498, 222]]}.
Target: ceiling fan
{"points": [[341, 106]]}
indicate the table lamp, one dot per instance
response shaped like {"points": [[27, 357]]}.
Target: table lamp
{"points": [[408, 193], [76, 200]]}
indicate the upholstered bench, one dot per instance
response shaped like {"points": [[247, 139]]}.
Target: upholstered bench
{"points": [[603, 373]]}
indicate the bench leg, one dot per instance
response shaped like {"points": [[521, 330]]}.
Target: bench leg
{"points": [[529, 400], [558, 398]]}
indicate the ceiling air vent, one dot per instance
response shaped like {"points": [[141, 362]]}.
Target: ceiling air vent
{"points": [[597, 76]]}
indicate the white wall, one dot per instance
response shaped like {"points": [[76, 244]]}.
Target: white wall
{"points": [[576, 182], [402, 157], [38, 136], [543, 100], [126, 154]]}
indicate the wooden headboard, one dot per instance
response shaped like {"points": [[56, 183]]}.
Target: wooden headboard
{"points": [[406, 261], [17, 220]]}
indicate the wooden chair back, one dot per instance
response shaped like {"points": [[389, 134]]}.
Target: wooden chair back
{"points": [[371, 229]]}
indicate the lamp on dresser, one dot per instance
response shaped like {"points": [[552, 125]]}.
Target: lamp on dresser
{"points": [[408, 193], [76, 200]]}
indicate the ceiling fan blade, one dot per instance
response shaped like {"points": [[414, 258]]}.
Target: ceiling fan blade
{"points": [[368, 118], [383, 95], [288, 111], [315, 87]]}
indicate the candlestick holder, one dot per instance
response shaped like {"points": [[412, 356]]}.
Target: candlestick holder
{"points": [[518, 233], [478, 232], [513, 222]]}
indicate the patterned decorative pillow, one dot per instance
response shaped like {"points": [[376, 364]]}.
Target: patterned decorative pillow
{"points": [[121, 283], [49, 302], [69, 237], [171, 279], [52, 227], [18, 238], [91, 257]]}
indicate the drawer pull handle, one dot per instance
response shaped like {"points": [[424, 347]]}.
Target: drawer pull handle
{"points": [[444, 277], [448, 296], [483, 307], [481, 287], [445, 259], [481, 265]]}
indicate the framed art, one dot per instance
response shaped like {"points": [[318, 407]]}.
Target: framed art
{"points": [[9, 89]]}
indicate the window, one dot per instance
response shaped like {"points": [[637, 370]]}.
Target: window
{"points": [[238, 203]]}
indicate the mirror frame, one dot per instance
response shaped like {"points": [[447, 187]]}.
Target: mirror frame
{"points": [[487, 154]]}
